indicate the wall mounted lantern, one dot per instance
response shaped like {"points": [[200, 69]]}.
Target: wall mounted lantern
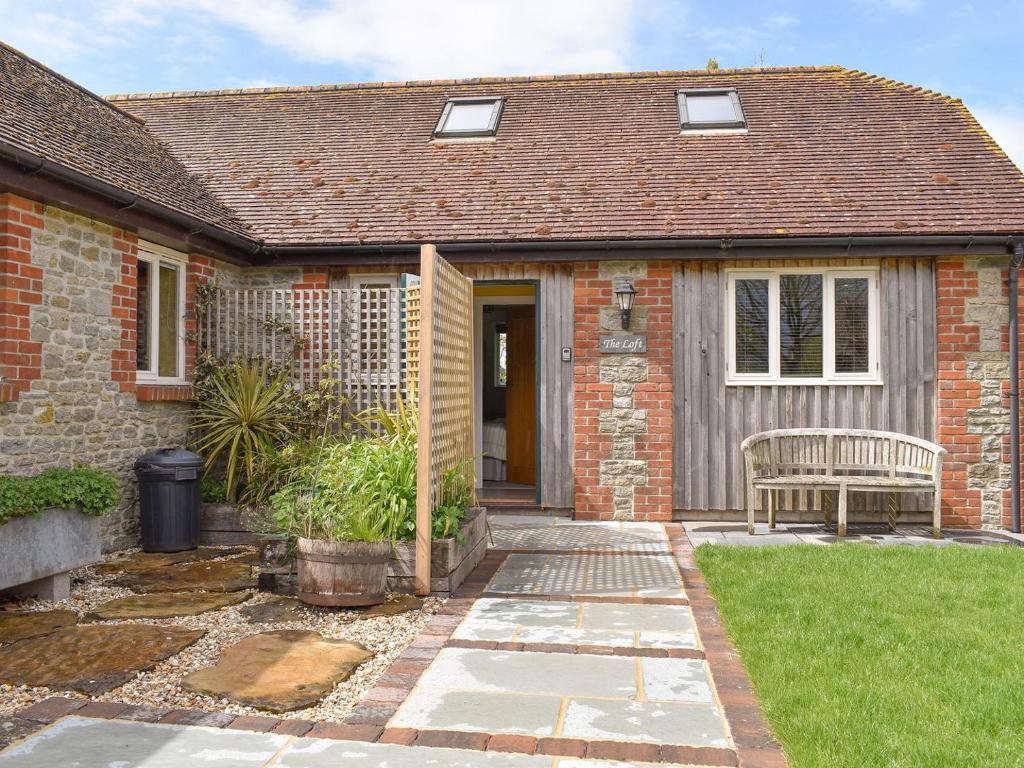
{"points": [[624, 295]]}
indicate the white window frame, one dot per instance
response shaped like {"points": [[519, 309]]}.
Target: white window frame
{"points": [[155, 255], [497, 107], [362, 279], [873, 376]]}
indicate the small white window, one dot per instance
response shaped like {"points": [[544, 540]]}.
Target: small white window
{"points": [[501, 356], [160, 326], [802, 326], [475, 116], [709, 108]]}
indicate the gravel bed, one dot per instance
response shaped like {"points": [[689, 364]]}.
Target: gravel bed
{"points": [[385, 636]]}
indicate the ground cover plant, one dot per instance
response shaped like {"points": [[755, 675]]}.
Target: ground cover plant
{"points": [[880, 656], [93, 491]]}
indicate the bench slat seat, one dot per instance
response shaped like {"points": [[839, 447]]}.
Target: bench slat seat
{"points": [[841, 460]]}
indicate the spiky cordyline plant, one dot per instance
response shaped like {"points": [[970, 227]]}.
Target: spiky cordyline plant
{"points": [[247, 413]]}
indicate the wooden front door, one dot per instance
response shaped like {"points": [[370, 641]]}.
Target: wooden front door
{"points": [[520, 397]]}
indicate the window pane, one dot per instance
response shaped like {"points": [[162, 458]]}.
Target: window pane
{"points": [[751, 326], [469, 117], [143, 359], [167, 335], [800, 330], [851, 324], [501, 359], [710, 109]]}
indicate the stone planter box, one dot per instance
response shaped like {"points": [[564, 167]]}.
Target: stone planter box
{"points": [[450, 561], [39, 551]]}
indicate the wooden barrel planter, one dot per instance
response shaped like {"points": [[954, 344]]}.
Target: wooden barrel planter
{"points": [[342, 573]]}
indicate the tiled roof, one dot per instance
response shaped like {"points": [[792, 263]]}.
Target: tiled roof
{"points": [[829, 151], [43, 113]]}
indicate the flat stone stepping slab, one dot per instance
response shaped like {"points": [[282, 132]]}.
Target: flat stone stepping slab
{"points": [[91, 658], [144, 561], [219, 576], [165, 605], [94, 743], [279, 671], [26, 624], [393, 607], [279, 610]]}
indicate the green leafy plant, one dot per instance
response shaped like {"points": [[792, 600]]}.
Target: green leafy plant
{"points": [[244, 414], [214, 490], [94, 491], [364, 488]]}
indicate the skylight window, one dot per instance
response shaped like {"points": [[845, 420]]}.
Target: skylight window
{"points": [[474, 116], [710, 108]]}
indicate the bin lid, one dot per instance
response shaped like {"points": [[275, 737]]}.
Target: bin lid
{"points": [[169, 458]]}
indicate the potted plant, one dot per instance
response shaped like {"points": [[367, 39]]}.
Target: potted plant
{"points": [[49, 525], [348, 507]]}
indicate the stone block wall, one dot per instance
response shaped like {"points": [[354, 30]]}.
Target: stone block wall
{"points": [[973, 382], [623, 403], [68, 314]]}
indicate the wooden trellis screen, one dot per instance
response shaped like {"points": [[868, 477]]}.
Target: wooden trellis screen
{"points": [[445, 390], [359, 328]]}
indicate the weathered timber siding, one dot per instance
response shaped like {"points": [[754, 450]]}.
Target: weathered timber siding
{"points": [[712, 419], [554, 408]]}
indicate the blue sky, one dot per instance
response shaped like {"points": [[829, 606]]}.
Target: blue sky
{"points": [[967, 49]]}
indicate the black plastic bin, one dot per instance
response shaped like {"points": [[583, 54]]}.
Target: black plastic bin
{"points": [[169, 495]]}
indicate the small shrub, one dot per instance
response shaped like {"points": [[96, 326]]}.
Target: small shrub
{"points": [[94, 491], [214, 490]]}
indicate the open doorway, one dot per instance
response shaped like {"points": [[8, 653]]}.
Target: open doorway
{"points": [[507, 394]]}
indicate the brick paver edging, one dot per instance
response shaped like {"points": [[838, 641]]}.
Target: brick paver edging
{"points": [[750, 731]]}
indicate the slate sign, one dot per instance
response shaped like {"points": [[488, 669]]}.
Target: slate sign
{"points": [[622, 344]]}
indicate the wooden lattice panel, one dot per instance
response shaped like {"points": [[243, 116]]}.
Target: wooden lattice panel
{"points": [[412, 342], [445, 438], [357, 329]]}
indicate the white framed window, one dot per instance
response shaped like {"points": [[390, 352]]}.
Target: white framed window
{"points": [[710, 109], [160, 320], [802, 326], [470, 117]]}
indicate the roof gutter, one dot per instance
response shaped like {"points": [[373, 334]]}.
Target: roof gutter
{"points": [[295, 253], [35, 165]]}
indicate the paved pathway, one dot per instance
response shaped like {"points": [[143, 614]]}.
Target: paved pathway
{"points": [[735, 533], [579, 649]]}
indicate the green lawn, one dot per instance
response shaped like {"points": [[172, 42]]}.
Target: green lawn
{"points": [[881, 656]]}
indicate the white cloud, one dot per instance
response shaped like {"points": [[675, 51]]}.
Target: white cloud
{"points": [[392, 39], [1006, 126]]}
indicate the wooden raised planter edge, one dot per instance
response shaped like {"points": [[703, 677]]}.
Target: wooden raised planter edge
{"points": [[450, 561]]}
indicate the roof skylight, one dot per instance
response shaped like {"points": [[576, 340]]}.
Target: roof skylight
{"points": [[710, 108], [473, 116]]}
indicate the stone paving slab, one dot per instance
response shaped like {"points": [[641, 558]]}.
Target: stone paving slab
{"points": [[310, 753], [657, 700], [588, 575], [560, 534], [89, 743], [652, 722], [735, 534], [581, 623]]}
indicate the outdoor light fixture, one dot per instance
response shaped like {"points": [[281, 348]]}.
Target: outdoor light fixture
{"points": [[624, 294]]}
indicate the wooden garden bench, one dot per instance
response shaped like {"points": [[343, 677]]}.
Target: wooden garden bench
{"points": [[841, 460]]}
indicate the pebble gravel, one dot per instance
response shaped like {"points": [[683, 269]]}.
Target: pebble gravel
{"points": [[385, 636]]}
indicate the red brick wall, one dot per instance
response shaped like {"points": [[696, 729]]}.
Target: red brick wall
{"points": [[608, 399], [973, 386], [21, 288]]}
